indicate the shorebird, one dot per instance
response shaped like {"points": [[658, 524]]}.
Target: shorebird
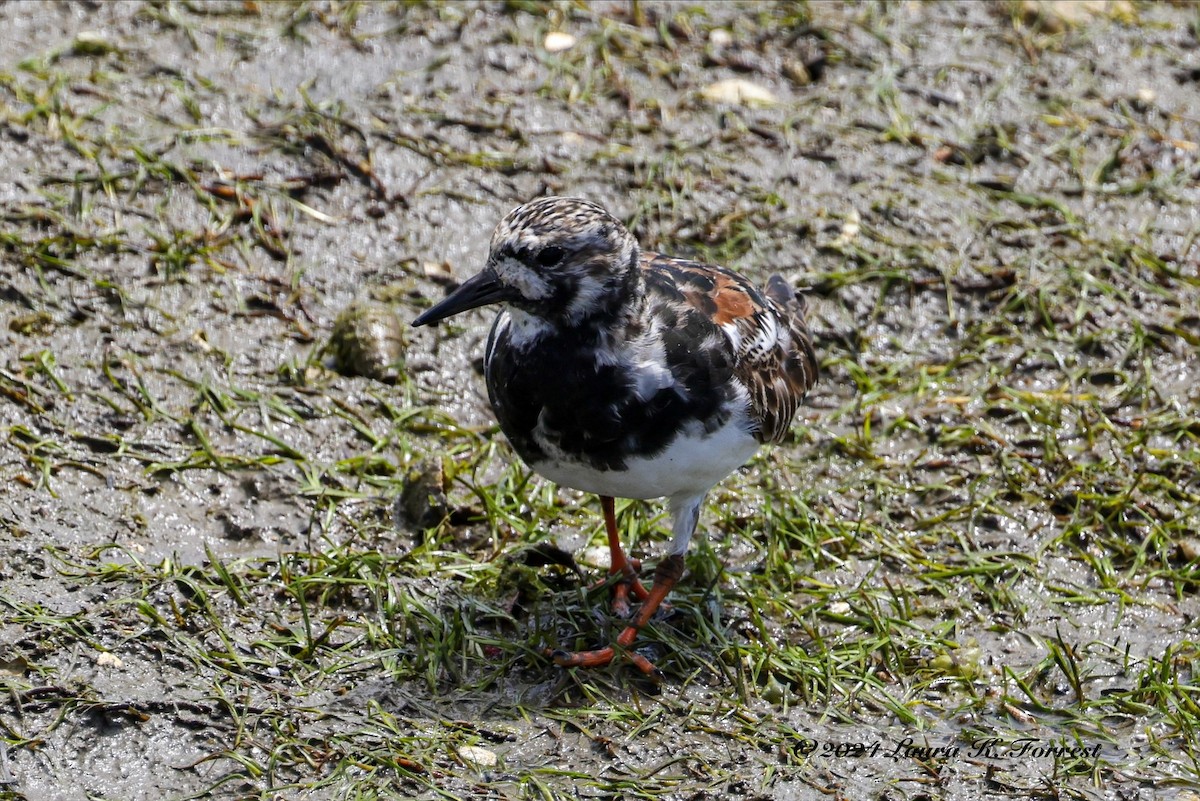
{"points": [[630, 374]]}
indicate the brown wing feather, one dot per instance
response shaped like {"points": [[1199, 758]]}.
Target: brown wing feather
{"points": [[773, 354], [780, 376]]}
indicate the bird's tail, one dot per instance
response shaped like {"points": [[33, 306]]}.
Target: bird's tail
{"points": [[780, 291]]}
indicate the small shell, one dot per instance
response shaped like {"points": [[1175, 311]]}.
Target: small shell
{"points": [[111, 660], [479, 757], [1057, 16], [557, 41], [422, 501], [439, 272], [1189, 548], [796, 72], [839, 608], [738, 92], [368, 340], [92, 43]]}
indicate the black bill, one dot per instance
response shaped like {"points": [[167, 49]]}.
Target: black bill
{"points": [[479, 290]]}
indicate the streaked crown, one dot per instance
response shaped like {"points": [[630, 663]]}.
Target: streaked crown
{"points": [[564, 258]]}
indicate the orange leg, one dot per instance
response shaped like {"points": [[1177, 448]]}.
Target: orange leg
{"points": [[666, 576], [620, 563]]}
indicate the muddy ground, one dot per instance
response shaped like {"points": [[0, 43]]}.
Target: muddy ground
{"points": [[970, 574]]}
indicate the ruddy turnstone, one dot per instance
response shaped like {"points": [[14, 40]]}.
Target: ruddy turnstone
{"points": [[631, 374]]}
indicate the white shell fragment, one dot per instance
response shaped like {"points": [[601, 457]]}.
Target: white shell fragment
{"points": [[92, 43], [719, 37], [438, 271], [106, 659], [557, 41], [480, 757], [738, 92], [850, 228]]}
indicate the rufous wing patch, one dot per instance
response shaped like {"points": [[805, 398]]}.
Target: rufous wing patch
{"points": [[731, 300]]}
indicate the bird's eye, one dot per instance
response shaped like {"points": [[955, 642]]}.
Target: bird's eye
{"points": [[548, 257]]}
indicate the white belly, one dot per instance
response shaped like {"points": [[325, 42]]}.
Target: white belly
{"points": [[688, 467]]}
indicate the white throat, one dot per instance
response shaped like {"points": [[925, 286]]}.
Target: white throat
{"points": [[524, 328]]}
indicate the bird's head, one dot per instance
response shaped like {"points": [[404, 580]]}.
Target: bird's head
{"points": [[563, 259]]}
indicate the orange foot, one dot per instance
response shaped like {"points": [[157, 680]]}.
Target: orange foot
{"points": [[623, 587], [666, 576]]}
